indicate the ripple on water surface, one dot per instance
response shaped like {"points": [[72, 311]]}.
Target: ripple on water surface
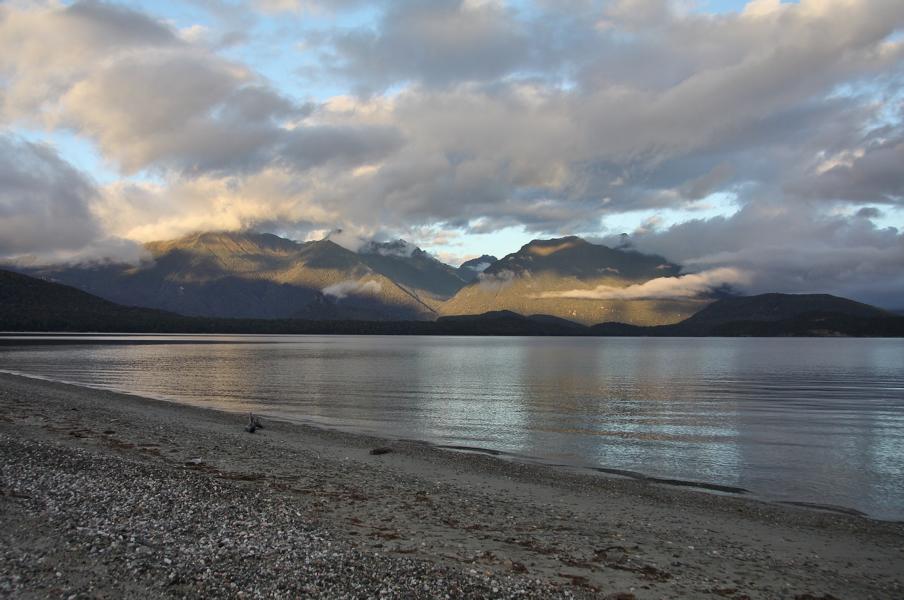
{"points": [[798, 420]]}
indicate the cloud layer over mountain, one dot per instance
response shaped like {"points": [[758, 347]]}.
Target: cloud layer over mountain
{"points": [[456, 116], [691, 285]]}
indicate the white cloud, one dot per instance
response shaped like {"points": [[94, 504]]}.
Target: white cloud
{"points": [[791, 248], [343, 289], [47, 209], [692, 285], [497, 280], [479, 267]]}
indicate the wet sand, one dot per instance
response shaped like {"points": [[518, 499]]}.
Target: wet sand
{"points": [[112, 495]]}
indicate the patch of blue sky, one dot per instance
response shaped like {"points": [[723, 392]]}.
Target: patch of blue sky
{"points": [[497, 243], [84, 156], [179, 15], [886, 96], [890, 216], [721, 204], [275, 43], [719, 6], [286, 49], [726, 6]]}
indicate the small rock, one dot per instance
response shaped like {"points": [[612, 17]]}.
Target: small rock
{"points": [[378, 451]]}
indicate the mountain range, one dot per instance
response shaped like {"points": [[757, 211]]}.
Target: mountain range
{"points": [[542, 276], [253, 275], [31, 304], [264, 276]]}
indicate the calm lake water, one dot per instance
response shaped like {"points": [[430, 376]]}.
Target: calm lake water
{"points": [[803, 420]]}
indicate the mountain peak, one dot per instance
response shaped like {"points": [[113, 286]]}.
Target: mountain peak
{"points": [[573, 256], [233, 242], [551, 246], [480, 263], [471, 269]]}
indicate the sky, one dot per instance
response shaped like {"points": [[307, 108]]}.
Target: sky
{"points": [[765, 137]]}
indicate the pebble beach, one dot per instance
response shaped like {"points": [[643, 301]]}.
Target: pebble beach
{"points": [[107, 495]]}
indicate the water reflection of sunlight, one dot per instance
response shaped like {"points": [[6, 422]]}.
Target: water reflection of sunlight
{"points": [[475, 395], [805, 419]]}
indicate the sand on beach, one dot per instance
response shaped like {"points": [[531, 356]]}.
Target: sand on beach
{"points": [[111, 495]]}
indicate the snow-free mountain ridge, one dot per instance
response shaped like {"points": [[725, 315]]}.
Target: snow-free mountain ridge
{"points": [[261, 275]]}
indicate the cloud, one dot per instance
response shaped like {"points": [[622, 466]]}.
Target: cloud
{"points": [[155, 211], [349, 145], [867, 173], [44, 202], [46, 208], [538, 118], [45, 49], [473, 116], [525, 151], [692, 285], [496, 280], [352, 240], [433, 41], [478, 267], [399, 248], [151, 100], [311, 6], [344, 289], [790, 248], [869, 212]]}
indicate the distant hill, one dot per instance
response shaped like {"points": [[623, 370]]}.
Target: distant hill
{"points": [[775, 315], [778, 307], [30, 304], [541, 277]]}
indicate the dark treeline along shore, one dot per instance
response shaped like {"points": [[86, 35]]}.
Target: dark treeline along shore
{"points": [[32, 304]]}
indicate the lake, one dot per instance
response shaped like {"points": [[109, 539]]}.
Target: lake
{"points": [[793, 420]]}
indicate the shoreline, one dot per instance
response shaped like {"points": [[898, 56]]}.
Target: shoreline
{"points": [[707, 487], [479, 519]]}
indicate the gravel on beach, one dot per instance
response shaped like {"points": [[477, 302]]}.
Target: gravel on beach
{"points": [[104, 495], [144, 530]]}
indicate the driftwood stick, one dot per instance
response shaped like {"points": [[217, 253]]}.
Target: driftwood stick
{"points": [[251, 427]]}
